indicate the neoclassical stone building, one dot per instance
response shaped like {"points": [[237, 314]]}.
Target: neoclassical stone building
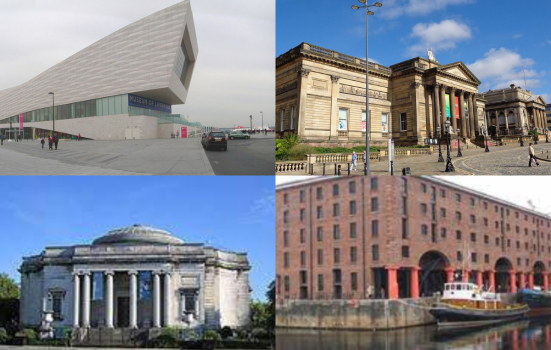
{"points": [[320, 95], [136, 277], [514, 111]]}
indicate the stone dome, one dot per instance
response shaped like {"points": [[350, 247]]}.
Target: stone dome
{"points": [[137, 234]]}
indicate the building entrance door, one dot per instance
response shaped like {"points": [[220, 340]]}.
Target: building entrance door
{"points": [[123, 312]]}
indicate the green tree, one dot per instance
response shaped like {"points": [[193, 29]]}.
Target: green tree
{"points": [[259, 314], [8, 288]]}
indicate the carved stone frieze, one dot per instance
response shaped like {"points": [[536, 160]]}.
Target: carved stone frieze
{"points": [[347, 89]]}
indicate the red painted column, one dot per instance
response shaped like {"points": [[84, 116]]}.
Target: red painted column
{"points": [[392, 282], [515, 343], [522, 281], [449, 274], [414, 282], [492, 280], [530, 280], [465, 276], [512, 281], [545, 281], [478, 275]]}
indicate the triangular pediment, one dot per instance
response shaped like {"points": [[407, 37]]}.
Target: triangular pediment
{"points": [[541, 100], [460, 70]]}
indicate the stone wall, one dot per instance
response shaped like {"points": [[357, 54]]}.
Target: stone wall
{"points": [[59, 278], [234, 297], [31, 298], [356, 315]]}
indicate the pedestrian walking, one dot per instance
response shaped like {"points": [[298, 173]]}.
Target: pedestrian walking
{"points": [[354, 158], [2, 139], [364, 157], [79, 136], [56, 140], [532, 156], [50, 142], [42, 142]]}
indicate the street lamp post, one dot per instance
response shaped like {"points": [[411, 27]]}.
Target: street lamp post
{"points": [[440, 158], [449, 164], [458, 145], [53, 113], [367, 13], [251, 116]]}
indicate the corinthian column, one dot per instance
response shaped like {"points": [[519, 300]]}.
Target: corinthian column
{"points": [[464, 130], [76, 301], [452, 111], [156, 300], [443, 104], [334, 118], [436, 103], [167, 299], [86, 301], [133, 299], [109, 299], [301, 103], [473, 112]]}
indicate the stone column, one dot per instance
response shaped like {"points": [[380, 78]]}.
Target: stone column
{"points": [[512, 281], [133, 317], [478, 277], [414, 282], [436, 103], [465, 276], [76, 301], [521, 281], [506, 121], [452, 110], [392, 282], [492, 280], [473, 115], [86, 301], [109, 299], [301, 103], [464, 125], [443, 104], [545, 282], [167, 299], [531, 280], [156, 300], [334, 118], [449, 274], [429, 126]]}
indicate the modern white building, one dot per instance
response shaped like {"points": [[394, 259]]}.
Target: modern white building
{"points": [[121, 87], [136, 277]]}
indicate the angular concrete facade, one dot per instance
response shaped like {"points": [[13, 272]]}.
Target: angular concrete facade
{"points": [[152, 58], [136, 277]]}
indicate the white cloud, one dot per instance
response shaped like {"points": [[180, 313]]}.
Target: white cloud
{"points": [[502, 67], [517, 36], [395, 8], [439, 36]]}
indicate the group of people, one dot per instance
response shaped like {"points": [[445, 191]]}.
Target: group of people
{"points": [[177, 135], [355, 159], [52, 141]]}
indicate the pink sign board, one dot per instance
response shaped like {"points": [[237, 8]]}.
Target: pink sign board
{"points": [[456, 107], [21, 121], [184, 131]]}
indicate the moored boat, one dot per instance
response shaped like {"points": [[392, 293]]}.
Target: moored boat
{"points": [[465, 305], [537, 300]]}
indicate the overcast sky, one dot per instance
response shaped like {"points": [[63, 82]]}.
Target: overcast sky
{"points": [[515, 189], [234, 74]]}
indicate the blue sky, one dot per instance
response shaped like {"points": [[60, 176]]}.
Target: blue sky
{"points": [[495, 39], [228, 212]]}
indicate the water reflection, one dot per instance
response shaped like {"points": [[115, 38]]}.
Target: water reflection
{"points": [[522, 335]]}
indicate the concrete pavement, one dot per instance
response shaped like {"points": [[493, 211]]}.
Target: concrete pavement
{"points": [[121, 157]]}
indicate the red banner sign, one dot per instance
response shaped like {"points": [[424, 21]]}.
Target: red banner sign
{"points": [[21, 121], [184, 131], [457, 107]]}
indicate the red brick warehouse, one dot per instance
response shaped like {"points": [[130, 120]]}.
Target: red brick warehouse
{"points": [[400, 237]]}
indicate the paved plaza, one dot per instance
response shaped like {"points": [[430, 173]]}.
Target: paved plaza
{"points": [[124, 157]]}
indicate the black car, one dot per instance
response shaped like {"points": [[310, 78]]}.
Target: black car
{"points": [[216, 139]]}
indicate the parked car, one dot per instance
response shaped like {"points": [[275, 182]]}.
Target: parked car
{"points": [[238, 135], [216, 139]]}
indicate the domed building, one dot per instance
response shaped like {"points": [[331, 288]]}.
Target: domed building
{"points": [[136, 277]]}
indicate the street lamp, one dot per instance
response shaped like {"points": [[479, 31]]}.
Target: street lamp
{"points": [[449, 164], [440, 158], [485, 132], [251, 116], [53, 113], [458, 145], [367, 13]]}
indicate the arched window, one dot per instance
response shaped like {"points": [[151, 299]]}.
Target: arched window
{"points": [[511, 118]]}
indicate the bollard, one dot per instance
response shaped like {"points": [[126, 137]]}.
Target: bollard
{"points": [[335, 168], [348, 168], [391, 168], [323, 168], [312, 170], [339, 171]]}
